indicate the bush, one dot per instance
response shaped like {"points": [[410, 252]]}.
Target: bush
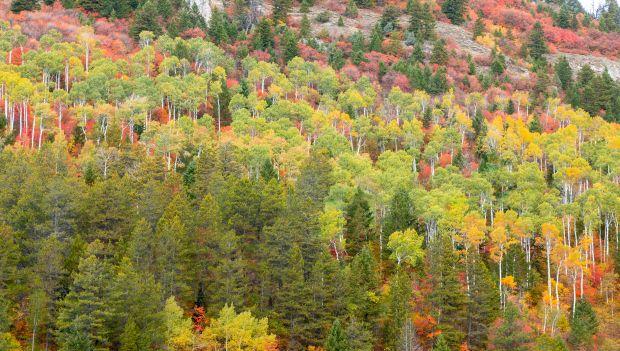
{"points": [[323, 17]]}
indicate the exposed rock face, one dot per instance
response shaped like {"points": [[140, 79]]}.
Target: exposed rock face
{"points": [[204, 6], [598, 64]]}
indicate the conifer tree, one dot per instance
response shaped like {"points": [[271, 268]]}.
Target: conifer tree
{"points": [[564, 73], [291, 49], [145, 20], [482, 304], [439, 54], [18, 6], [479, 27], [359, 218], [448, 300], [510, 335], [351, 9], [337, 339], [583, 324], [537, 45], [454, 9], [281, 9]]}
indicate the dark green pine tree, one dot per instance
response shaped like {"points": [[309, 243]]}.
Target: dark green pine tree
{"points": [[263, 36], [357, 230], [217, 27], [510, 335], [439, 55], [290, 49], [447, 297], [130, 339], [537, 45], [534, 126], [483, 301], [564, 73], [363, 283], [18, 6], [145, 20], [351, 9], [583, 325], [548, 343], [454, 9], [563, 18], [85, 312], [438, 83], [400, 213], [609, 20], [399, 310], [304, 28], [358, 47], [336, 57], [337, 339], [316, 177], [418, 53], [422, 21]]}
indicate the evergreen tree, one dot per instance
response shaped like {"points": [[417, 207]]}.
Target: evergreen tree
{"points": [[563, 18], [439, 54], [357, 228], [441, 344], [564, 73], [537, 45], [421, 22], [337, 339], [583, 324], [18, 6], [482, 306], [315, 178], [131, 339], [454, 9], [145, 20], [291, 49], [263, 36], [217, 27], [400, 213], [304, 27], [376, 38], [448, 300], [609, 20], [399, 310], [510, 335]]}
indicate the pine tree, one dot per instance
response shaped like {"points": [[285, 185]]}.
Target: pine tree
{"points": [[563, 18], [359, 218], [510, 335], [291, 49], [448, 300], [564, 73], [441, 344], [482, 306], [304, 27], [18, 6], [399, 310], [217, 27], [85, 313], [454, 10], [583, 324], [537, 45], [263, 36], [421, 22], [439, 54], [145, 20], [131, 338], [400, 213], [337, 339]]}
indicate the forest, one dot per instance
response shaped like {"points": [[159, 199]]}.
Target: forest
{"points": [[309, 175]]}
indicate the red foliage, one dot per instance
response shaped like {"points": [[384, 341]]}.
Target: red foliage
{"points": [[260, 55]]}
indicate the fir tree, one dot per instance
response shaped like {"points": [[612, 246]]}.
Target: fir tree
{"points": [[537, 45], [263, 37], [291, 49], [376, 38], [359, 218], [583, 324], [351, 9], [400, 213], [482, 306], [304, 27], [564, 73], [454, 9], [510, 335], [421, 22], [337, 339], [145, 20], [479, 27], [18, 6], [281, 9], [448, 300], [441, 344], [439, 54]]}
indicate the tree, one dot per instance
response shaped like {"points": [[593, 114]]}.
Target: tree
{"points": [[454, 10], [281, 9], [337, 339], [439, 54], [406, 247], [351, 9], [237, 331], [18, 6], [441, 344], [145, 20], [583, 324], [263, 36], [537, 45], [479, 27], [177, 329], [448, 300], [564, 73], [358, 216], [482, 306], [510, 335], [291, 49], [421, 22]]}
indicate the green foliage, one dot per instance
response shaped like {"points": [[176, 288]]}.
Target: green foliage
{"points": [[454, 9], [18, 6], [146, 20], [583, 324], [537, 46], [510, 334], [337, 339]]}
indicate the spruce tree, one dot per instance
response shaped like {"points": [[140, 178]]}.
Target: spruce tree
{"points": [[448, 299], [583, 324], [439, 54], [281, 9], [337, 339], [537, 45], [482, 305], [510, 335], [441, 344], [359, 218], [351, 9], [479, 27], [145, 20], [564, 73], [454, 9], [263, 36], [400, 213], [399, 310], [376, 38], [18, 6], [291, 49]]}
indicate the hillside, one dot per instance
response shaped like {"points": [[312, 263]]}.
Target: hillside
{"points": [[309, 175]]}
